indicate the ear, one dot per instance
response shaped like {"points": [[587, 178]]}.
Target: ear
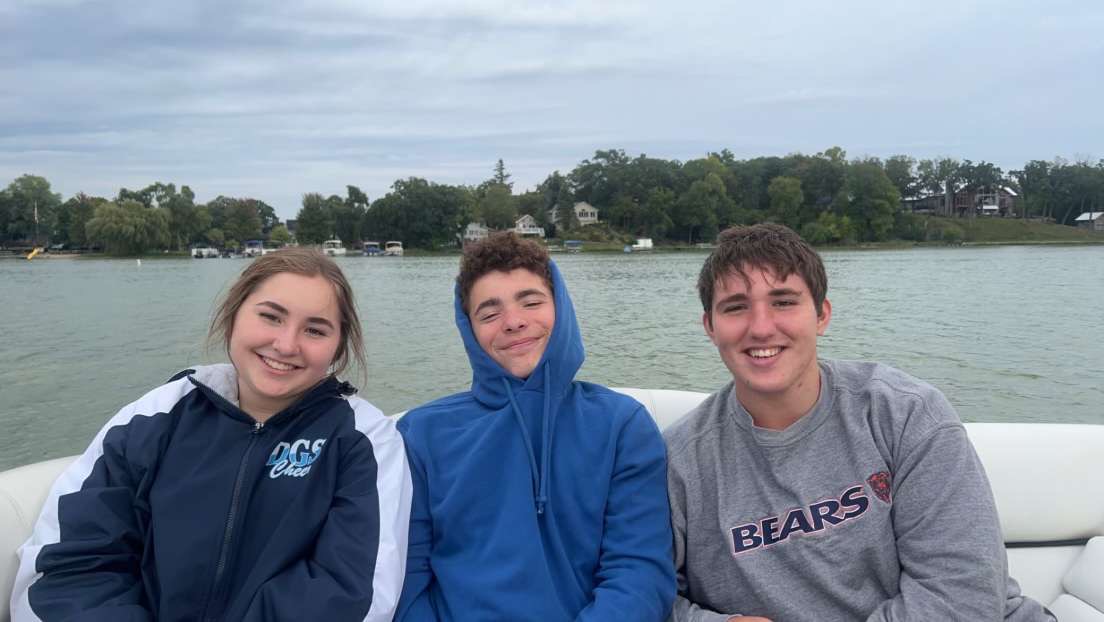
{"points": [[824, 318], [707, 323]]}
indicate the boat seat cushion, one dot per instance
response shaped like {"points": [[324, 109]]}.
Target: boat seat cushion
{"points": [[1085, 579], [1072, 609]]}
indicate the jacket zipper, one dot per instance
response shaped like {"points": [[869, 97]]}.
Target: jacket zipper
{"points": [[214, 603]]}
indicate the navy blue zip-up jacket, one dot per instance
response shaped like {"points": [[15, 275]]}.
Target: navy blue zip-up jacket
{"points": [[184, 508]]}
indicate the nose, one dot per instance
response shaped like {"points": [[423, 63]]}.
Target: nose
{"points": [[514, 320], [286, 341], [761, 321]]}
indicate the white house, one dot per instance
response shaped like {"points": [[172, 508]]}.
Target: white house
{"points": [[527, 226], [1093, 221], [585, 213], [475, 232]]}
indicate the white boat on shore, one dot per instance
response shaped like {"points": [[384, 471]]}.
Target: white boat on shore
{"points": [[333, 248], [1046, 478], [392, 248]]}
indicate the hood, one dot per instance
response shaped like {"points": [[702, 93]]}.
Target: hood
{"points": [[535, 401], [562, 358]]}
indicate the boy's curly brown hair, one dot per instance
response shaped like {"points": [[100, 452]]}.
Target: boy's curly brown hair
{"points": [[503, 251]]}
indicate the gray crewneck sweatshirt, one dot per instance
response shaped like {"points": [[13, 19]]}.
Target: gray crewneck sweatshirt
{"points": [[872, 506]]}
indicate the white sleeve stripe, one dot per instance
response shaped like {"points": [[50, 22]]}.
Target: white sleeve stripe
{"points": [[46, 529], [395, 491]]}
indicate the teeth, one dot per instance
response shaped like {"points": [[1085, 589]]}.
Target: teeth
{"points": [[277, 364], [764, 353]]}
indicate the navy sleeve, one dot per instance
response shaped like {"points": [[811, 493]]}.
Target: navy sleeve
{"points": [[636, 576], [83, 560]]}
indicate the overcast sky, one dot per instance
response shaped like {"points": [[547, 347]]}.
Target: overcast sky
{"points": [[274, 99]]}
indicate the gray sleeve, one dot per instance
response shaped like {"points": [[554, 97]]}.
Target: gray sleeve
{"points": [[684, 610], [953, 563]]}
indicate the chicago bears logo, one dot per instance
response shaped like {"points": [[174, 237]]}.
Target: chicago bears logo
{"points": [[880, 484]]}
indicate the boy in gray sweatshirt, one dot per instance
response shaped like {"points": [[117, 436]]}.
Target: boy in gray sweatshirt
{"points": [[811, 489]]}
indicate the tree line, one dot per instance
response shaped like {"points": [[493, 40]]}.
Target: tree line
{"points": [[826, 197]]}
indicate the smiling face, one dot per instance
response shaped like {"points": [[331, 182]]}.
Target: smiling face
{"points": [[512, 315], [284, 339], [766, 330]]}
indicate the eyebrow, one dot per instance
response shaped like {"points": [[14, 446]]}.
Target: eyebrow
{"points": [[774, 293], [283, 311], [494, 302]]}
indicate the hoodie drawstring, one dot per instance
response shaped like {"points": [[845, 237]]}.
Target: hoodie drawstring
{"points": [[541, 480]]}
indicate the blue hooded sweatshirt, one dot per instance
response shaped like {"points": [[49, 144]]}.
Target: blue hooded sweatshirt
{"points": [[540, 499]]}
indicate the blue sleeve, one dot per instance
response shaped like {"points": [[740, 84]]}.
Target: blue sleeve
{"points": [[636, 576], [415, 604], [355, 570], [83, 560]]}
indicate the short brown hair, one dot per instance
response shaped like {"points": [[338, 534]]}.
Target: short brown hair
{"points": [[768, 247], [307, 262], [503, 251]]}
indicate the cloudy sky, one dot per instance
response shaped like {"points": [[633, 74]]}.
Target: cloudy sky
{"points": [[274, 99]]}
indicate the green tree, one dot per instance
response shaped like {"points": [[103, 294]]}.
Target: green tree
{"points": [[315, 223], [901, 171], [871, 200], [216, 238], [267, 214], [420, 213], [786, 200], [656, 216], [532, 204], [279, 236], [26, 197], [129, 228], [496, 208], [698, 207], [242, 222], [78, 211], [501, 177]]}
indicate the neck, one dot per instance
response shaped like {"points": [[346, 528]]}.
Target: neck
{"points": [[778, 412], [260, 412]]}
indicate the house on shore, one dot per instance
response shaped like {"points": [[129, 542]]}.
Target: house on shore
{"points": [[585, 213], [1002, 201], [526, 226], [1093, 221], [474, 232]]}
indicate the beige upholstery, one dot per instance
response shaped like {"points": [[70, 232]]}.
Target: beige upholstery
{"points": [[22, 493], [1048, 480]]}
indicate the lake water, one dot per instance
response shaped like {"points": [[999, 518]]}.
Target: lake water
{"points": [[1009, 333]]}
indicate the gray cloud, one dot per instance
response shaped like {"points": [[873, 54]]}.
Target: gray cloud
{"points": [[274, 100]]}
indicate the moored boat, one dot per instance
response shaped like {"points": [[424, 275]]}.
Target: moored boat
{"points": [[372, 249], [393, 248], [333, 248]]}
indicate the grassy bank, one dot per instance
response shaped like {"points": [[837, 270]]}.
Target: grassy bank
{"points": [[1010, 230]]}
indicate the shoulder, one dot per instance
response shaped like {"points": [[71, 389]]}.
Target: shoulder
{"points": [[699, 425], [372, 431], [890, 390], [155, 403], [902, 410], [441, 411], [602, 399]]}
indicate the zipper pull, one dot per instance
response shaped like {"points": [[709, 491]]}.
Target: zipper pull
{"points": [[258, 426]]}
